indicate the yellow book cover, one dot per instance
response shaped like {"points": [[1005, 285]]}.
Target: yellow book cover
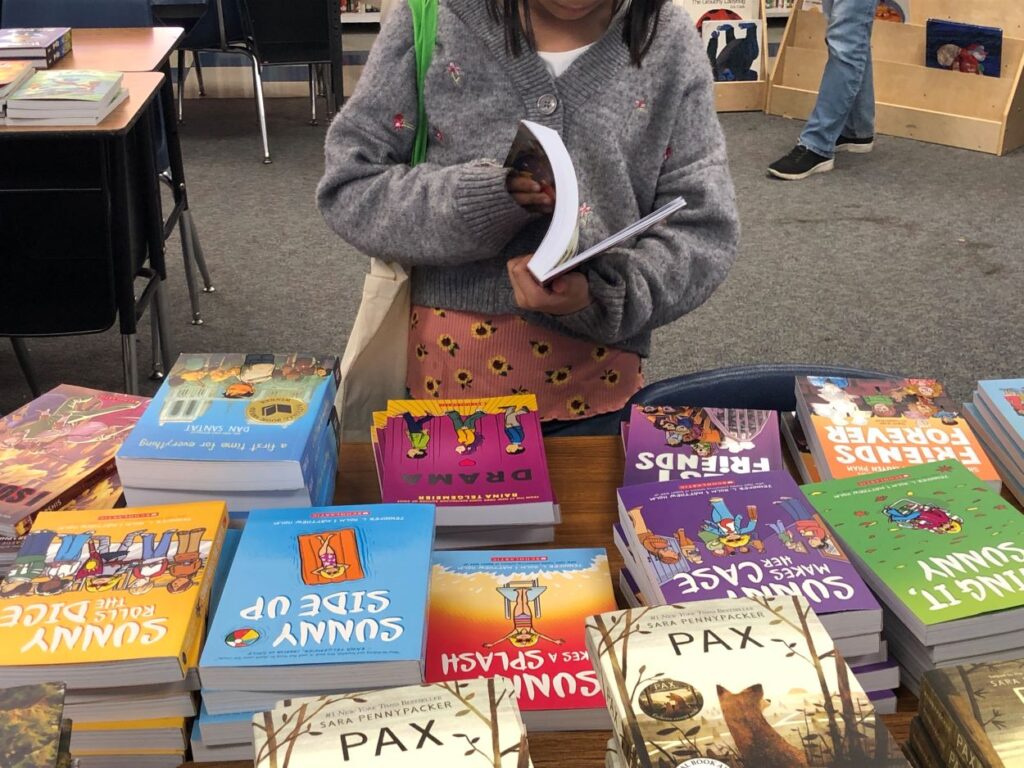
{"points": [[110, 586]]}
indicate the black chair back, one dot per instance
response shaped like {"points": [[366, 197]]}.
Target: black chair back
{"points": [[288, 32], [76, 13], [219, 26]]}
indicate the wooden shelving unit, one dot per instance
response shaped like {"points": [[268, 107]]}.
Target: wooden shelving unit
{"points": [[749, 95], [361, 17], [914, 101]]}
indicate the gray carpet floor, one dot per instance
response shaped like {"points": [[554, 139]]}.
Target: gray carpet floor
{"points": [[908, 260]]}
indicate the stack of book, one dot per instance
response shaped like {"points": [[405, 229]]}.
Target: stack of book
{"points": [[970, 716], [33, 730], [66, 97], [943, 552], [754, 536], [858, 426], [682, 443], [58, 452], [256, 430], [520, 614], [473, 722], [316, 601], [744, 681], [113, 603], [996, 412], [13, 74], [481, 462], [42, 46]]}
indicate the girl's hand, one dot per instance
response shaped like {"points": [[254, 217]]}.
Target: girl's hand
{"points": [[528, 194], [564, 295]]}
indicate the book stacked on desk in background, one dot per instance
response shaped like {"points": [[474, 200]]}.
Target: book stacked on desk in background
{"points": [[520, 614], [13, 73], [42, 46], [316, 601], [66, 97], [944, 554], [125, 594], [858, 426], [996, 413], [753, 535], [480, 461], [970, 716], [683, 442], [257, 430], [739, 682], [465, 723], [34, 733]]}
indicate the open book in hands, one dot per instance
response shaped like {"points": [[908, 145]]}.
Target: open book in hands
{"points": [[538, 153]]}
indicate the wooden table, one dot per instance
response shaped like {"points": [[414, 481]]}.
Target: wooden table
{"points": [[585, 472]]}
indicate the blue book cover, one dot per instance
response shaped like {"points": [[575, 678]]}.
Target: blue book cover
{"points": [[325, 585], [234, 408], [220, 576], [1005, 397]]}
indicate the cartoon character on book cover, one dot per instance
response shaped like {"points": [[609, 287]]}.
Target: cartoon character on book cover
{"points": [[518, 614], [1015, 399], [733, 49], [30, 725], [960, 47], [744, 683]]}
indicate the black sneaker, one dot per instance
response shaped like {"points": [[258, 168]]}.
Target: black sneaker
{"points": [[858, 146], [799, 164]]}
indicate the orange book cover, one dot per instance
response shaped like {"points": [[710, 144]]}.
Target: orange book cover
{"points": [[111, 585], [873, 425], [53, 448]]}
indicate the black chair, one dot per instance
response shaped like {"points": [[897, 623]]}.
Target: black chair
{"points": [[766, 386]]}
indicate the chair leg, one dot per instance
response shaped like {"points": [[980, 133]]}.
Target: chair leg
{"points": [[130, 363], [197, 63], [161, 329], [188, 256], [182, 74], [197, 252], [25, 361], [257, 83], [157, 371], [312, 93]]}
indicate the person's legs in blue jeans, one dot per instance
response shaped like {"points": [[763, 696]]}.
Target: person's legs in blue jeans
{"points": [[846, 95]]}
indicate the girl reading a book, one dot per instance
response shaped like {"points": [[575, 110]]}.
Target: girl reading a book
{"points": [[627, 86]]}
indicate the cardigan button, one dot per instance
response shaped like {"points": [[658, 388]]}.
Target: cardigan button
{"points": [[547, 104]]}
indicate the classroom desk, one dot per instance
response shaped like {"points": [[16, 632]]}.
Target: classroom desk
{"points": [[585, 473], [149, 49], [124, 141]]}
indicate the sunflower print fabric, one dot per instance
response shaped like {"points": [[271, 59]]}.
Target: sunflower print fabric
{"points": [[462, 354]]}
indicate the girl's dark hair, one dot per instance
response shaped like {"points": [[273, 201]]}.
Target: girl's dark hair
{"points": [[638, 31]]}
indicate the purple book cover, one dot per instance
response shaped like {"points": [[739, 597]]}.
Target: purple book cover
{"points": [[464, 459], [735, 536], [684, 443]]}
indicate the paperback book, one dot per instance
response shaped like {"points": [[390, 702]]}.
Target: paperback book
{"points": [[735, 50], [799, 451], [720, 10], [13, 73], [461, 723], [124, 593], [960, 47], [66, 97], [31, 720], [742, 682], [752, 536], [538, 154], [941, 549], [1004, 398], [56, 447], [859, 426], [43, 46], [520, 614], [685, 442], [323, 597]]}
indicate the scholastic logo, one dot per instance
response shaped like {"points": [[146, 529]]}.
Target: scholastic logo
{"points": [[136, 516], [709, 484], [351, 513], [539, 559], [886, 479]]}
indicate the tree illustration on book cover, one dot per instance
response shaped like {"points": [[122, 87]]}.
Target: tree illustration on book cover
{"points": [[742, 683], [473, 723], [30, 724]]}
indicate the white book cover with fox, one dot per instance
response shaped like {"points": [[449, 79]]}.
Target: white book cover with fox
{"points": [[733, 683]]}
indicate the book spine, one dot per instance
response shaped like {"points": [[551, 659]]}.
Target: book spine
{"points": [[197, 621], [69, 494], [954, 749]]}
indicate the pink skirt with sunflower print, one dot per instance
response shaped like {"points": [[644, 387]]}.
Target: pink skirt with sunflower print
{"points": [[462, 354]]}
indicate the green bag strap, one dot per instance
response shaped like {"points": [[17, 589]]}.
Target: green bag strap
{"points": [[424, 34]]}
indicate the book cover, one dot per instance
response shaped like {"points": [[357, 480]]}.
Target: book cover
{"points": [[1005, 398], [52, 448], [12, 73], [519, 613], [868, 425], [960, 47], [741, 683], [942, 543], [325, 585], [720, 10], [750, 536], [893, 10], [471, 723], [30, 725], [685, 442], [239, 408], [111, 584], [735, 49], [68, 85], [37, 42], [976, 711], [105, 493], [799, 450], [465, 452]]}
